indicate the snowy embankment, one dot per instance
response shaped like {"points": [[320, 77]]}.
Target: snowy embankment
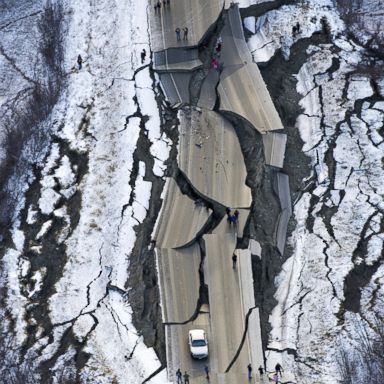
{"points": [[106, 106], [336, 267], [274, 29]]}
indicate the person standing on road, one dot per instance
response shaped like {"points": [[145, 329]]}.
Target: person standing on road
{"points": [[179, 376], [186, 378], [228, 211], [234, 260], [261, 370], [177, 30], [185, 37], [249, 367], [206, 370]]}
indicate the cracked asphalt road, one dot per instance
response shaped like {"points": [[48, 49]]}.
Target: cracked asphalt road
{"points": [[199, 287]]}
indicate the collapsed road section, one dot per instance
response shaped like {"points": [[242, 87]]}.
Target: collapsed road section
{"points": [[201, 284]]}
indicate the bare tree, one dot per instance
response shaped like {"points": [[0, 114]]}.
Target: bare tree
{"points": [[22, 125], [365, 362]]}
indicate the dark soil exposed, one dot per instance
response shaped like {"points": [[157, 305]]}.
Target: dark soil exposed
{"points": [[278, 75]]}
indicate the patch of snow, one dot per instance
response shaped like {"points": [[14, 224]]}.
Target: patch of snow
{"points": [[359, 88], [15, 300], [379, 105], [49, 198], [31, 216], [250, 24], [25, 267], [18, 239], [143, 194], [38, 278], [44, 229], [66, 177]]}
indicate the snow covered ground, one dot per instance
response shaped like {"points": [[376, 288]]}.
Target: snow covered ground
{"points": [[96, 124], [338, 241]]}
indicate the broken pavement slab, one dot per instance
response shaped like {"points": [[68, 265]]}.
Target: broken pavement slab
{"points": [[274, 148], [255, 247], [208, 94], [211, 157], [172, 229], [248, 299], [242, 89], [283, 191], [175, 86], [176, 59]]}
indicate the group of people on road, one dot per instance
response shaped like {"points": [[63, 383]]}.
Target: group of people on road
{"points": [[178, 33], [276, 376], [184, 378], [232, 218], [157, 5], [180, 376]]}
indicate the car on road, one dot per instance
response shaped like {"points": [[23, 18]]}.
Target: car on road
{"points": [[198, 343]]}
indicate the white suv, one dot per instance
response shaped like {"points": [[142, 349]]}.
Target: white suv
{"points": [[198, 344]]}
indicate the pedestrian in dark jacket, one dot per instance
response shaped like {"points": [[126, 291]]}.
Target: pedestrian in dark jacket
{"points": [[79, 61], [261, 370], [185, 37], [177, 30], [234, 260], [278, 368], [249, 367], [206, 370], [186, 378], [179, 376]]}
